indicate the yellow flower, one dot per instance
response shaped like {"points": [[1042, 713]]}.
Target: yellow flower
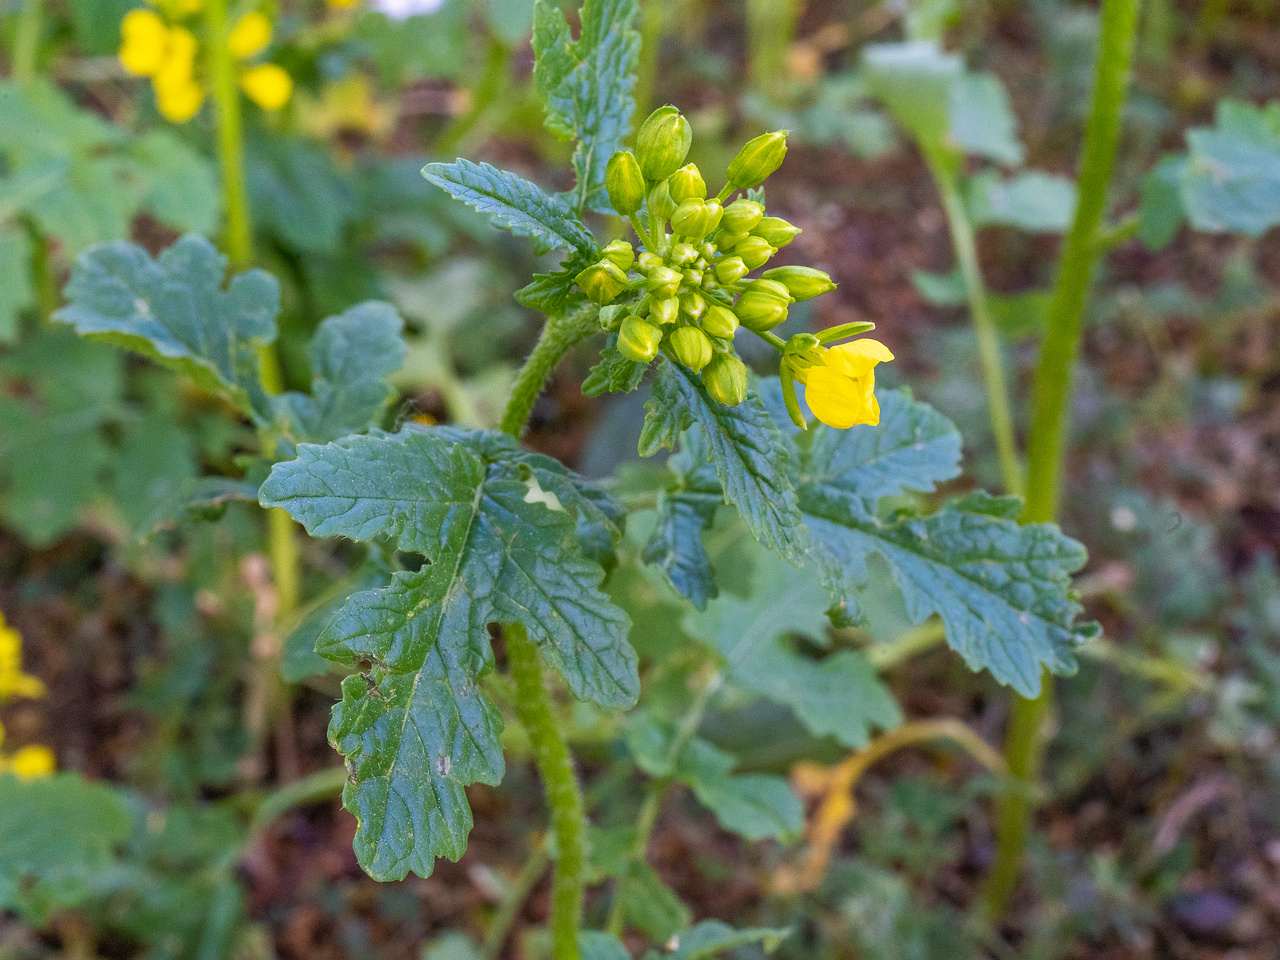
{"points": [[840, 390], [145, 43], [268, 85], [13, 682], [29, 763], [250, 36], [178, 95], [343, 4]]}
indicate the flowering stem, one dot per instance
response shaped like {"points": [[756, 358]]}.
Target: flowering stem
{"points": [[26, 41], [1025, 743], [558, 336], [983, 324]]}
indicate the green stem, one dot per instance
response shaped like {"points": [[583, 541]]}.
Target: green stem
{"points": [[560, 783], [1025, 745], [984, 325], [26, 41], [320, 785], [558, 336], [657, 788]]}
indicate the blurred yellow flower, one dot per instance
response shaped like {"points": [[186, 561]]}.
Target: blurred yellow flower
{"points": [[13, 682], [268, 85], [29, 763], [343, 4], [145, 43], [840, 390], [249, 36]]}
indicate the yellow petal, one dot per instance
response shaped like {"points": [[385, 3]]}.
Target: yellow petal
{"points": [[179, 99], [269, 86], [30, 763], [857, 357], [250, 36], [145, 43], [343, 4], [840, 401]]}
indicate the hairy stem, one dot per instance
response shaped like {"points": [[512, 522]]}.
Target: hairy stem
{"points": [[558, 336], [26, 40], [984, 325], [560, 782], [1025, 744]]}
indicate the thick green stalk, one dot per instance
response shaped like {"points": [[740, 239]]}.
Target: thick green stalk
{"points": [[558, 336], [984, 324], [26, 41], [1025, 744], [226, 98], [560, 783]]}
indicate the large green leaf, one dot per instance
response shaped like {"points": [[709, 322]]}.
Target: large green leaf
{"points": [[17, 293], [1232, 178], [501, 531], [746, 447], [514, 204], [1030, 200], [174, 310], [711, 937], [351, 356], [684, 512], [586, 85]]}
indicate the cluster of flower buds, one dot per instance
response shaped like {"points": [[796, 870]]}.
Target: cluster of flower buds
{"points": [[689, 289]]}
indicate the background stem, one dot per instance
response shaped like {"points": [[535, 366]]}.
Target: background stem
{"points": [[560, 782], [1025, 744], [26, 40]]}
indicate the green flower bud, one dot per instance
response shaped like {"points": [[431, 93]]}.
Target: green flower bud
{"points": [[731, 270], [663, 142], [687, 184], [776, 231], [660, 203], [602, 281], [720, 321], [755, 161], [612, 315], [691, 347], [692, 219], [692, 277], [647, 262], [725, 240], [755, 252], [664, 311], [772, 288], [621, 254], [725, 378], [638, 339], [691, 303], [741, 216], [805, 283], [716, 213], [708, 250], [760, 311], [684, 253], [663, 282], [624, 182]]}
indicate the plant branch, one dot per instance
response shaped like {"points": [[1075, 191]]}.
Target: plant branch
{"points": [[26, 40], [1025, 744], [558, 336]]}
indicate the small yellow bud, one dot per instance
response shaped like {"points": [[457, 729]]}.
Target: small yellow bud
{"points": [[731, 270], [602, 281], [664, 282], [638, 339], [720, 321], [648, 262], [660, 203], [755, 252], [663, 142], [693, 304], [691, 347], [725, 378], [759, 310], [624, 182], [665, 311], [776, 231], [755, 161], [250, 35], [742, 216], [804, 283], [687, 184], [696, 218], [621, 254], [771, 288], [268, 85], [683, 253]]}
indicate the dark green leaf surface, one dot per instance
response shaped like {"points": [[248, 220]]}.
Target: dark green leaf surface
{"points": [[501, 530], [1232, 178], [351, 357], [1030, 200], [684, 512], [175, 310], [614, 373], [746, 447], [514, 204], [711, 937]]}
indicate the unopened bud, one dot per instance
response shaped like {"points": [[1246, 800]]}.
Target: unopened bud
{"points": [[720, 322], [687, 184], [664, 312], [755, 161], [663, 142], [692, 219], [755, 252], [692, 303], [647, 262], [805, 283], [683, 253], [691, 347], [741, 216], [708, 249], [612, 315], [725, 378], [638, 339], [760, 311], [771, 288], [776, 231], [621, 254], [660, 203], [602, 281], [664, 282], [624, 182], [731, 270]]}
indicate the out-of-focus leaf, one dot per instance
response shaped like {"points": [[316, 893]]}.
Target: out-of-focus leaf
{"points": [[1030, 200]]}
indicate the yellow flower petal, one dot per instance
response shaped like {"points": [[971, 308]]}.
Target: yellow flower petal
{"points": [[179, 99], [145, 43], [269, 86], [13, 682], [840, 401], [250, 36], [857, 357], [30, 763], [343, 4]]}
